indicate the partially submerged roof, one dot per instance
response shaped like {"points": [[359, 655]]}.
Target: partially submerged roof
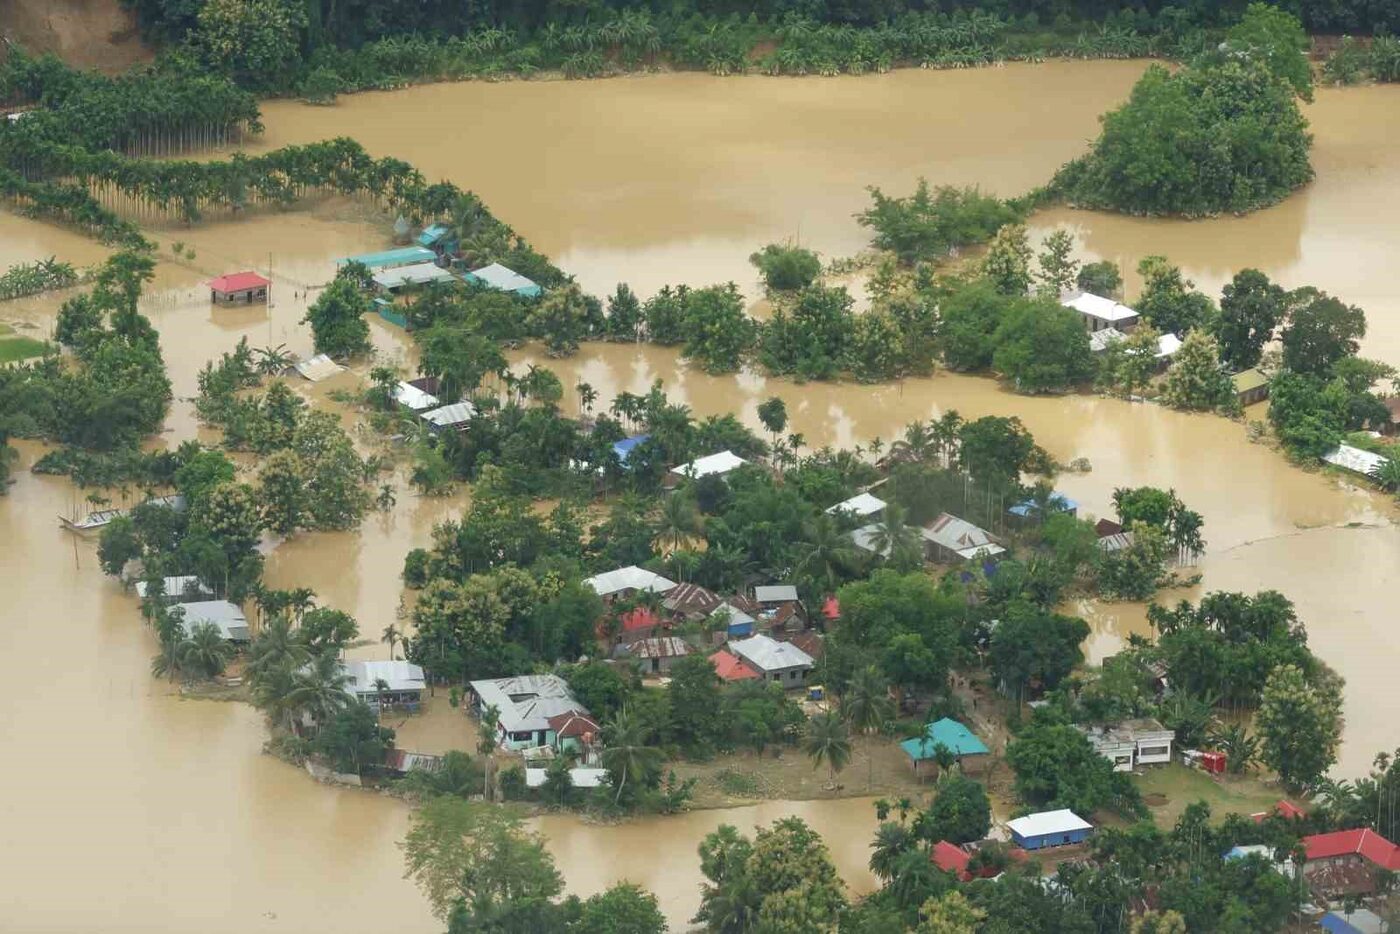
{"points": [[775, 593], [629, 578], [180, 586], [731, 667], [711, 465], [1049, 822], [416, 274], [449, 416], [239, 282], [1167, 344], [527, 702], [961, 537], [385, 259], [407, 394], [1058, 502], [400, 676], [317, 368], [1355, 459], [862, 504], [505, 279], [1105, 309], [949, 733], [1246, 380], [767, 654], [227, 617]]}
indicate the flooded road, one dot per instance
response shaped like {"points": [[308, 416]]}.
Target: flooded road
{"points": [[165, 809]]}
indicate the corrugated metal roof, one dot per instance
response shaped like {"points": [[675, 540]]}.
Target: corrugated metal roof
{"points": [[768, 654], [580, 777], [414, 398], [317, 368], [416, 274], [961, 537], [775, 593], [401, 676], [526, 702], [1252, 378], [228, 617], [731, 667], [660, 647], [1105, 309], [711, 464], [1355, 459], [505, 279], [862, 504], [180, 586], [629, 578], [385, 259], [1049, 822], [239, 282], [458, 413]]}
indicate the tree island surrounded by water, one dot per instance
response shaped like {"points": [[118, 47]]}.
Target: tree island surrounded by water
{"points": [[629, 555]]}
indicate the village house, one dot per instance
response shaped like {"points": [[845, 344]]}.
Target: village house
{"points": [[440, 238], [239, 288], [1028, 509], [691, 602], [503, 279], [1348, 862], [454, 416], [860, 506], [739, 623], [779, 662], [731, 667], [1251, 386], [1132, 743], [1112, 536], [316, 368], [403, 683], [388, 259], [654, 655], [950, 735], [396, 278], [1100, 313], [1048, 829], [1355, 459], [1167, 345], [225, 616], [952, 540], [711, 465], [414, 398], [955, 859], [177, 589], [531, 708], [627, 582]]}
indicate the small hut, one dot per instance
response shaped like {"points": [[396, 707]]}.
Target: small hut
{"points": [[239, 288]]}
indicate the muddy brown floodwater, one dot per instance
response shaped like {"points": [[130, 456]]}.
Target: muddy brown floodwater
{"points": [[128, 808]]}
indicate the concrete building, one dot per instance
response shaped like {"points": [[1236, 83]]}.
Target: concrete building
{"points": [[1132, 743], [239, 288], [624, 582], [527, 704], [403, 683], [1049, 828], [780, 662], [1100, 313]]}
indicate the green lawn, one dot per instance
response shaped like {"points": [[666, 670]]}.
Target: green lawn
{"points": [[6, 329], [18, 348], [1182, 786]]}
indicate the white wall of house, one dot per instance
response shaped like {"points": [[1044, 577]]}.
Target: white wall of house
{"points": [[1154, 749]]}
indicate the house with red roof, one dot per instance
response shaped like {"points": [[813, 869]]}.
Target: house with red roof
{"points": [[731, 667], [955, 859], [1282, 808], [1348, 862], [239, 288]]}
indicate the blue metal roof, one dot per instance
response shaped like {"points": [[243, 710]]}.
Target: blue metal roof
{"points": [[624, 447], [959, 740], [432, 234], [384, 259], [1059, 501]]}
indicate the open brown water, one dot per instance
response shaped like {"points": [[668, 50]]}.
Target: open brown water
{"points": [[127, 808]]}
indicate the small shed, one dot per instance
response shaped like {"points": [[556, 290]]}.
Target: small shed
{"points": [[1357, 460], [657, 654], [225, 616], [1049, 828], [1251, 386], [711, 465], [437, 237], [504, 279], [239, 288], [456, 415], [740, 624], [948, 733]]}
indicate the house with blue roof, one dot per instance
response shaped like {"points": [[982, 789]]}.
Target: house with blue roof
{"points": [[440, 238], [388, 259], [624, 448], [948, 733]]}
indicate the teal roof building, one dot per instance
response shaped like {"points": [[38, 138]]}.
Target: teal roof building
{"points": [[388, 259], [959, 740]]}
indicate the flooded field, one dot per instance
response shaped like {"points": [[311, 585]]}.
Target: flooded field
{"points": [[166, 808]]}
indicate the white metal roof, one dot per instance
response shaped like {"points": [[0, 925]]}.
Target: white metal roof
{"points": [[503, 278], [401, 676], [526, 702], [581, 777], [736, 616], [720, 464], [769, 654], [862, 504], [232, 624], [775, 593], [413, 397], [317, 368], [417, 274], [629, 578], [961, 537], [1353, 458], [1167, 344], [864, 537], [458, 413], [1049, 822], [1105, 309], [177, 587]]}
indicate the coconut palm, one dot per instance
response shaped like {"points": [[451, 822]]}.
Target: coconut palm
{"points": [[867, 707], [318, 689], [626, 754], [275, 648], [678, 519], [393, 636], [916, 444], [827, 554], [829, 742], [891, 842], [899, 542], [205, 651], [587, 396]]}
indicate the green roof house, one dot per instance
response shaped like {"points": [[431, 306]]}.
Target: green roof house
{"points": [[958, 739]]}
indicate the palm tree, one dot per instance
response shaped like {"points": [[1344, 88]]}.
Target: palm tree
{"points": [[828, 552], [486, 740], [381, 689], [867, 707], [625, 751], [1239, 747], [828, 741], [587, 395], [318, 689], [899, 542], [891, 842], [275, 648], [393, 636], [205, 650], [678, 519], [273, 360], [915, 445]]}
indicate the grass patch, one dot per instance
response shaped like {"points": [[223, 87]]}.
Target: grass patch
{"points": [[21, 348], [6, 329], [737, 783], [1168, 789]]}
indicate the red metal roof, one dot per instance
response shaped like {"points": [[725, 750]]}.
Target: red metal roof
{"points": [[238, 281], [831, 608], [573, 723], [1363, 842], [731, 667], [951, 858], [640, 618]]}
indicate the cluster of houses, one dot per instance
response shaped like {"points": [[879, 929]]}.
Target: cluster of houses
{"points": [[1109, 322]]}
